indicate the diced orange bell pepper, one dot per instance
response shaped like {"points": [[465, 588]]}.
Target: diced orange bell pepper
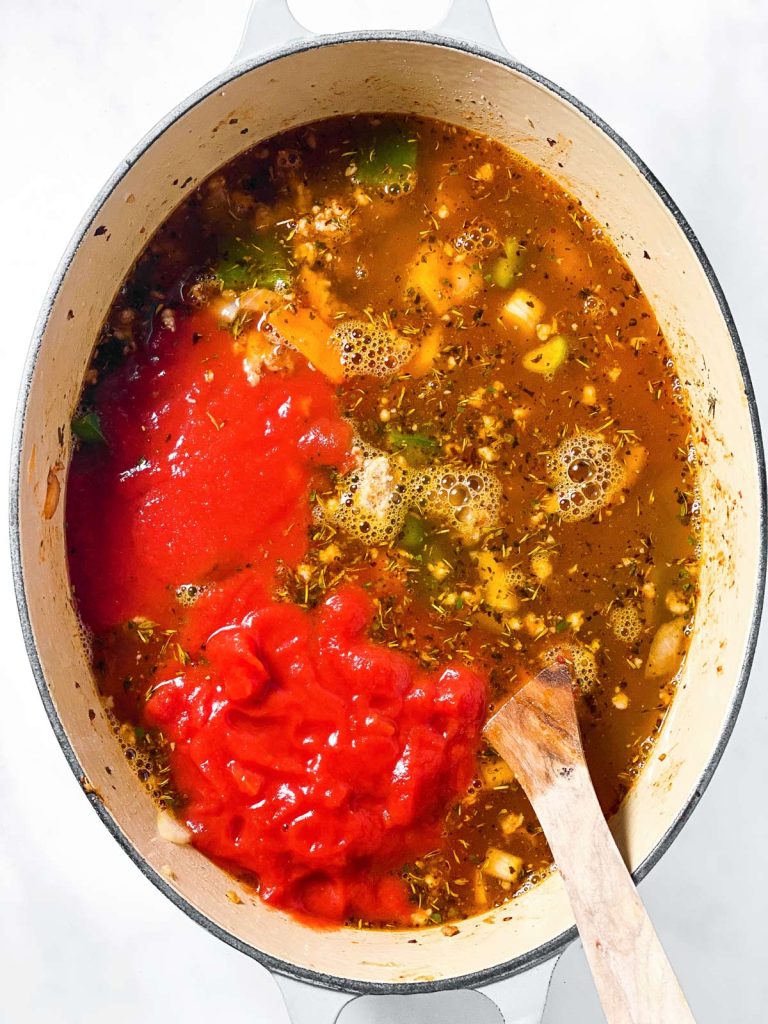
{"points": [[300, 328], [303, 330]]}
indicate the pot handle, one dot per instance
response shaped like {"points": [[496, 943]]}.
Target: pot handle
{"points": [[270, 25], [471, 21], [518, 1000]]}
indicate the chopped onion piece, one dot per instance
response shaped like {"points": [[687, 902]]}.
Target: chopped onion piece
{"points": [[667, 649], [507, 867], [172, 830]]}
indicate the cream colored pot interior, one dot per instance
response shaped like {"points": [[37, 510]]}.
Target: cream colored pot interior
{"points": [[447, 83]]}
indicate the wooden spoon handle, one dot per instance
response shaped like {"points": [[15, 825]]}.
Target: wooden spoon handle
{"points": [[633, 976]]}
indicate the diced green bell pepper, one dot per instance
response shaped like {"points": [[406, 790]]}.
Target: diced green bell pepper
{"points": [[414, 535], [257, 262], [508, 267], [88, 428], [417, 448], [386, 159]]}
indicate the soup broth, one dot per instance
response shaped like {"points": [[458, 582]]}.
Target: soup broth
{"points": [[379, 425]]}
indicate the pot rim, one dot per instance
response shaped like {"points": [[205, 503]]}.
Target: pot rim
{"points": [[295, 971]]}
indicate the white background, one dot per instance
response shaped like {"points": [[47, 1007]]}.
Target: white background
{"points": [[84, 938]]}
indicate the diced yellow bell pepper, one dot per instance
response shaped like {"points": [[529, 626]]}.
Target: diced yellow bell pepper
{"points": [[523, 310], [497, 592], [441, 281], [547, 358], [423, 359]]}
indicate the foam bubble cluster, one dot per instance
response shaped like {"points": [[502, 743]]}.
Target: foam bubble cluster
{"points": [[466, 499], [374, 499], [585, 474], [188, 593], [516, 580], [626, 623], [370, 349], [476, 239], [143, 761], [581, 664]]}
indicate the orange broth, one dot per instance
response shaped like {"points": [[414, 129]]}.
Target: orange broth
{"points": [[380, 420]]}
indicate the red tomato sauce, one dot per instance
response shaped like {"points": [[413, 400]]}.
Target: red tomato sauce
{"points": [[305, 753]]}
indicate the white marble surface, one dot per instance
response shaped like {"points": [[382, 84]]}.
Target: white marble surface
{"points": [[83, 937]]}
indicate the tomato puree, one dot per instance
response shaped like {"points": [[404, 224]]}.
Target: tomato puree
{"points": [[304, 752], [201, 472]]}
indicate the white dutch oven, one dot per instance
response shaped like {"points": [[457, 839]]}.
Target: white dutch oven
{"points": [[507, 954]]}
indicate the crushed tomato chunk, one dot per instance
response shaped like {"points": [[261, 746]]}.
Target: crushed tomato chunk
{"points": [[315, 758]]}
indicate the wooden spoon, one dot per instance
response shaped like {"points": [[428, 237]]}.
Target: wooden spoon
{"points": [[537, 734]]}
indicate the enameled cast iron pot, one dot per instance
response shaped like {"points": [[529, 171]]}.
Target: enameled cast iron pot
{"points": [[292, 80]]}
